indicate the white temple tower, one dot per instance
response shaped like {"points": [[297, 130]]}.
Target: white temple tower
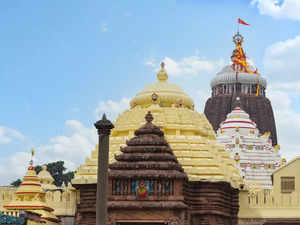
{"points": [[253, 152]]}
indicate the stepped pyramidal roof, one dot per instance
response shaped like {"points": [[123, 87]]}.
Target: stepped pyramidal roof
{"points": [[147, 154], [30, 196]]}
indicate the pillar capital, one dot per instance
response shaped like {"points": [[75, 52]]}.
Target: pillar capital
{"points": [[104, 126]]}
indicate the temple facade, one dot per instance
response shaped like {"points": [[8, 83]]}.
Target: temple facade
{"points": [[174, 168], [147, 185], [186, 167]]}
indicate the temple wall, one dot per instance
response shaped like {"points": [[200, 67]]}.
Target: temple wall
{"points": [[213, 203], [269, 206], [6, 195], [274, 205], [147, 215], [63, 203]]}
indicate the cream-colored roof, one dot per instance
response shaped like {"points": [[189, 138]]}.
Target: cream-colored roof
{"points": [[189, 134], [168, 94]]}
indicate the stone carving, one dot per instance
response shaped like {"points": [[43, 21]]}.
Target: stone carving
{"points": [[175, 221]]}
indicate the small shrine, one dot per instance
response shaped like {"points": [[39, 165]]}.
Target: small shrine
{"points": [[30, 196], [46, 179], [252, 151]]}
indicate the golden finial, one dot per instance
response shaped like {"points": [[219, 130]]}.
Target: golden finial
{"points": [[162, 74]]}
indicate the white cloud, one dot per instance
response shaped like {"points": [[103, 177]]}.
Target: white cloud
{"points": [[111, 108], [188, 66], [287, 122], [72, 149], [285, 9], [14, 167], [281, 60], [104, 27], [191, 66], [7, 135], [288, 87]]}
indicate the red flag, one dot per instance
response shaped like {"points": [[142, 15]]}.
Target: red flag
{"points": [[242, 22]]}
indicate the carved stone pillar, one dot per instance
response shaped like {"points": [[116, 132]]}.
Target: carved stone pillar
{"points": [[103, 127]]}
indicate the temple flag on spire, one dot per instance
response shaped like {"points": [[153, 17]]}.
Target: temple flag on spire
{"points": [[240, 21]]}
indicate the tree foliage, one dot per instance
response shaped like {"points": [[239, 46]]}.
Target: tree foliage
{"points": [[38, 169], [16, 183], [57, 171]]}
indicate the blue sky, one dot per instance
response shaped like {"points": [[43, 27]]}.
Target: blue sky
{"points": [[63, 62]]}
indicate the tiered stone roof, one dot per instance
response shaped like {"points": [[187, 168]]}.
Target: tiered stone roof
{"points": [[148, 158], [147, 155]]}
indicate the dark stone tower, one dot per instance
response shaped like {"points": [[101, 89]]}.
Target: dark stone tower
{"points": [[240, 80]]}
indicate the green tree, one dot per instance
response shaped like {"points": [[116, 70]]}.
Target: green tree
{"points": [[67, 177], [16, 183], [56, 169], [38, 169]]}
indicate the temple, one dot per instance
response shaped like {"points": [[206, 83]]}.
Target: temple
{"points": [[147, 185], [169, 164], [252, 151], [189, 134], [241, 80], [31, 197]]}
